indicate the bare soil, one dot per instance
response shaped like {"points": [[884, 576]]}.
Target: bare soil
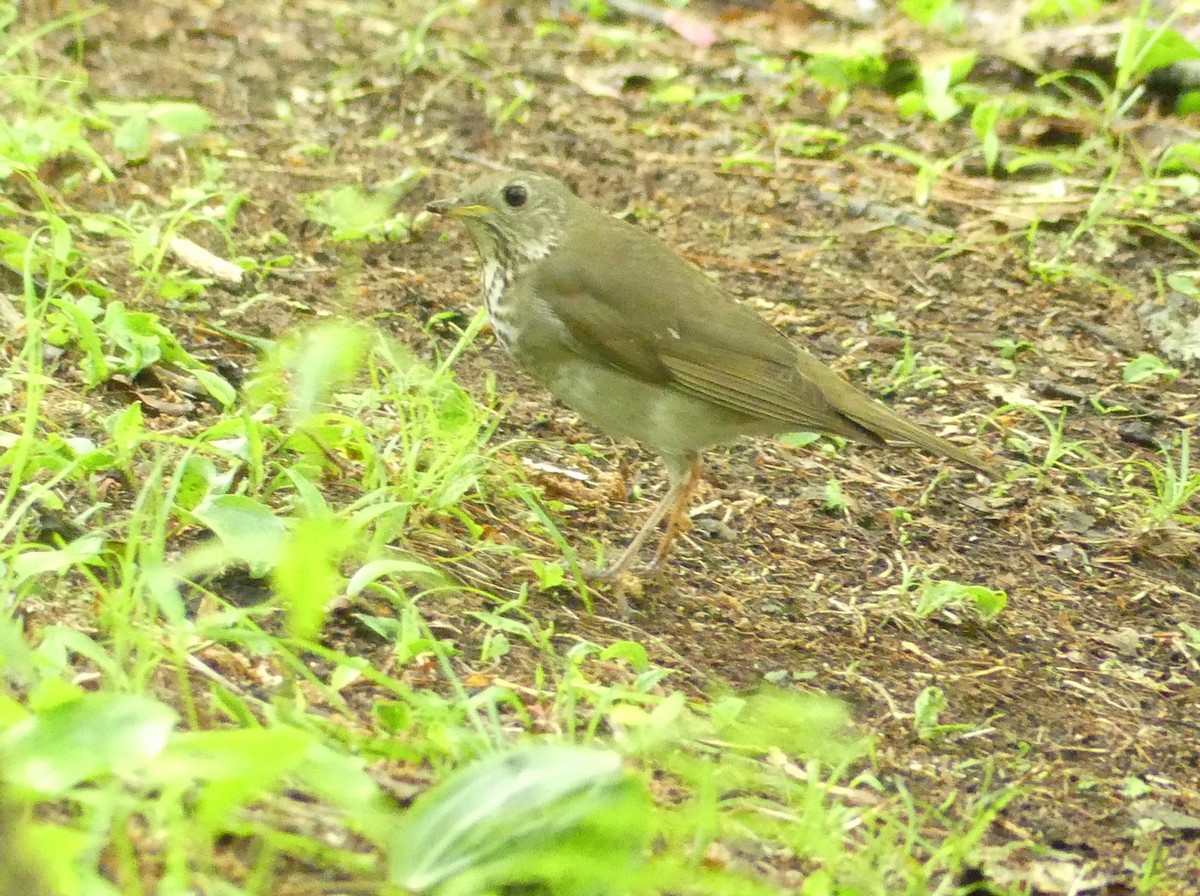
{"points": [[1082, 685]]}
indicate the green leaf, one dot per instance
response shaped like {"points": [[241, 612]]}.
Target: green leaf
{"points": [[1135, 788], [353, 213], [988, 602], [327, 357], [216, 386], [801, 724], [630, 651], [1188, 103], [36, 561], [82, 740], [394, 716], [799, 439], [928, 708], [936, 93], [248, 530], [306, 575], [60, 853], [674, 94], [1186, 283], [1152, 50], [228, 768], [372, 572], [127, 430], [78, 324], [1146, 366], [942, 593], [835, 498], [17, 660], [941, 13], [180, 119], [549, 575], [132, 137], [1191, 637], [344, 782], [565, 817], [984, 118], [197, 478], [138, 333]]}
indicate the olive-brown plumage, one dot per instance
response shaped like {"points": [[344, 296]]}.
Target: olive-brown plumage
{"points": [[640, 343]]}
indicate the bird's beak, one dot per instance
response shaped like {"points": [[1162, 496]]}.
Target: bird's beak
{"points": [[456, 209]]}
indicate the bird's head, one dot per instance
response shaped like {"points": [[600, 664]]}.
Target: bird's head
{"points": [[514, 217]]}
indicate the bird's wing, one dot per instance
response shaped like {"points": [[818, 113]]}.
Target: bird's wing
{"points": [[639, 307]]}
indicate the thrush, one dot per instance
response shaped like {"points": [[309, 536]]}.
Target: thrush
{"points": [[642, 344]]}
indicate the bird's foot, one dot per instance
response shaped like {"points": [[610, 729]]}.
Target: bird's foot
{"points": [[601, 573], [619, 577]]}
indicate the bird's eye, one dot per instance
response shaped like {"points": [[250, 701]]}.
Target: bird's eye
{"points": [[515, 195]]}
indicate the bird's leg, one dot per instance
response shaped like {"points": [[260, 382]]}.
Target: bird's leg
{"points": [[623, 562], [678, 512], [684, 474]]}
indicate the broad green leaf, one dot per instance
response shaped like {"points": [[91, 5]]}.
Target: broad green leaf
{"points": [[82, 740], [378, 569], [229, 768], [216, 386], [132, 136], [1151, 50], [137, 333], [197, 480], [565, 816], [36, 561], [1145, 366], [127, 430], [942, 593], [248, 530], [928, 709], [181, 119], [353, 213], [630, 651]]}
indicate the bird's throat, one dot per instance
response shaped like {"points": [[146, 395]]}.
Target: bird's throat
{"points": [[500, 268]]}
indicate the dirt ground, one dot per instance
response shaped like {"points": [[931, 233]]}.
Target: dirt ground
{"points": [[1081, 684]]}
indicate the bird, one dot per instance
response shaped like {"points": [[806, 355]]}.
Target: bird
{"points": [[641, 344]]}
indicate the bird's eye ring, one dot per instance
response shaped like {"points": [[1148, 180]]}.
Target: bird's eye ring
{"points": [[515, 195]]}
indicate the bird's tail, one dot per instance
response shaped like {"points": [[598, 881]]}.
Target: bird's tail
{"points": [[884, 424]]}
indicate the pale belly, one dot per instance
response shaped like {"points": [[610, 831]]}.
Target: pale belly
{"points": [[662, 418]]}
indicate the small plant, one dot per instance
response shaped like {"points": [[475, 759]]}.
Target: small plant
{"points": [[513, 109], [944, 14], [1055, 445], [1175, 486], [1146, 366], [928, 596], [142, 127], [940, 93], [835, 498], [115, 340], [945, 597], [929, 170], [353, 213], [545, 814], [927, 713], [1011, 349], [1191, 639], [909, 373], [1144, 48]]}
